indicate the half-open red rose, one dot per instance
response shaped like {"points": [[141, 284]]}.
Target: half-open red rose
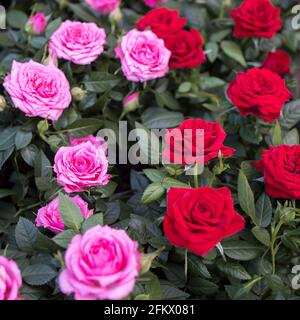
{"points": [[281, 169], [184, 145], [186, 48], [278, 61], [259, 92], [198, 219], [256, 18], [162, 21]]}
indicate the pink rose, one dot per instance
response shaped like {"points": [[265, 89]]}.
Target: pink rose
{"points": [[154, 3], [82, 165], [10, 279], [104, 6], [79, 42], [38, 90], [143, 56], [38, 22], [101, 264], [49, 216]]}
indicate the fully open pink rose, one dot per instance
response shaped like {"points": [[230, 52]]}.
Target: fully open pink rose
{"points": [[101, 264], [143, 56], [38, 23], [10, 279], [79, 42], [49, 216], [82, 165], [38, 90], [104, 6], [154, 3]]}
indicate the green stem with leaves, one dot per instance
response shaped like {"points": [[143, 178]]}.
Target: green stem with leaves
{"points": [[275, 232]]}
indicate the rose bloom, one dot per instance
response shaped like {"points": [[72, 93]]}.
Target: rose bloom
{"points": [[104, 6], [38, 90], [143, 56], [185, 138], [281, 169], [79, 42], [154, 3], [10, 279], [49, 217], [101, 264], [38, 22], [81, 166], [259, 92], [256, 18], [186, 49], [198, 219], [162, 21], [278, 61]]}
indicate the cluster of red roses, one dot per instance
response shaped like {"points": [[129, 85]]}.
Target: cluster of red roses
{"points": [[198, 219], [185, 45]]}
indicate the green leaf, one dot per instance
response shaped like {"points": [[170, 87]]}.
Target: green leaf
{"points": [[64, 238], [246, 197], [166, 99], [241, 250], [171, 182], [233, 50], [29, 154], [172, 293], [70, 213], [202, 286], [85, 127], [42, 166], [7, 138], [100, 82], [291, 115], [4, 156], [153, 192], [153, 289], [26, 235], [262, 235], [234, 270], [6, 192], [154, 175], [92, 221], [112, 212], [212, 49], [147, 259], [38, 274], [82, 13], [292, 138], [158, 118], [277, 135], [16, 19], [52, 27], [197, 267], [263, 211], [22, 139]]}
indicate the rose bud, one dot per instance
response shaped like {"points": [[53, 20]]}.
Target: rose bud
{"points": [[3, 104], [78, 94], [36, 24], [131, 103], [115, 16]]}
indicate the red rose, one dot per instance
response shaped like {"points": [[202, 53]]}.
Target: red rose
{"points": [[256, 18], [185, 138], [162, 21], [281, 169], [260, 92], [198, 219], [278, 61], [186, 48]]}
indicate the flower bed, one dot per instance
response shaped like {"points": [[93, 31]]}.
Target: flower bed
{"points": [[149, 150]]}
